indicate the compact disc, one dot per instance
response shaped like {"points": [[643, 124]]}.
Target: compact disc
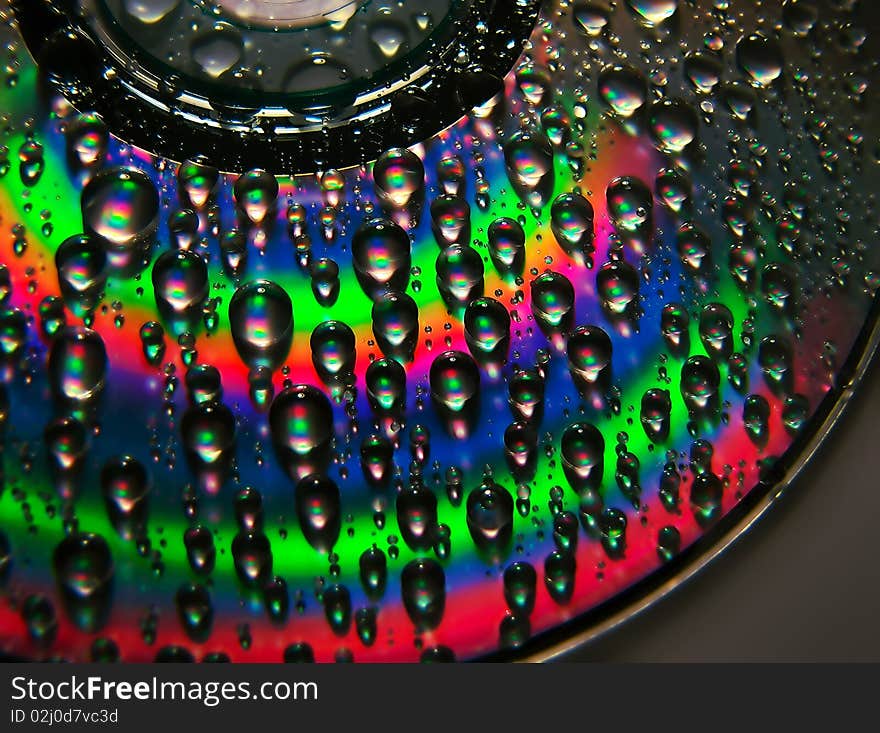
{"points": [[448, 330]]}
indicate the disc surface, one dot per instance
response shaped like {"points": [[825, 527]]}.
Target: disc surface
{"points": [[356, 332]]}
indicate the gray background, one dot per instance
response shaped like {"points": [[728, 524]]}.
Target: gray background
{"points": [[802, 585]]}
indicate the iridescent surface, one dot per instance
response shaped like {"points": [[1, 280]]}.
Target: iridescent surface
{"points": [[443, 403]]}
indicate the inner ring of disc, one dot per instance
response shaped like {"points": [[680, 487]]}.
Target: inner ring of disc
{"points": [[290, 13]]}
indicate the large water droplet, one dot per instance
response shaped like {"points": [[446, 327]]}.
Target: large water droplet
{"points": [[490, 517], [760, 58], [120, 206], [399, 178], [589, 352], [333, 352], [196, 180], [125, 486], [529, 159], [380, 252], [623, 89], [84, 573], [423, 591], [507, 243], [396, 325], [583, 456], [318, 510], [261, 322], [77, 365], [301, 422], [180, 284], [460, 274], [455, 389], [553, 301], [208, 432], [195, 611], [255, 193]]}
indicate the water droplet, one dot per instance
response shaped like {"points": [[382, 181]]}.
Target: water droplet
{"points": [[589, 352], [87, 139], [77, 365], [716, 330], [694, 248], [195, 611], [125, 486], [301, 422], [396, 325], [261, 321], [460, 274], [337, 608], [583, 456], [455, 390], [451, 175], [252, 557], [380, 251], [276, 600], [526, 396], [120, 207], [553, 300], [180, 284], [756, 418], [699, 384], [386, 386], [490, 516], [653, 12], [377, 457], [255, 193], [196, 180], [318, 510], [571, 221], [706, 495], [703, 70], [423, 591], [800, 16], [776, 359], [399, 178], [630, 204], [451, 220], [673, 125], [668, 543], [655, 412], [325, 281], [559, 575], [617, 284], [31, 162], [507, 244], [520, 582], [373, 567], [152, 337], [760, 58], [417, 517], [521, 450], [39, 617], [84, 573], [529, 160], [217, 51], [183, 227], [208, 433], [591, 18], [612, 532], [487, 331], [674, 189], [333, 351], [200, 550], [299, 653], [623, 89]]}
